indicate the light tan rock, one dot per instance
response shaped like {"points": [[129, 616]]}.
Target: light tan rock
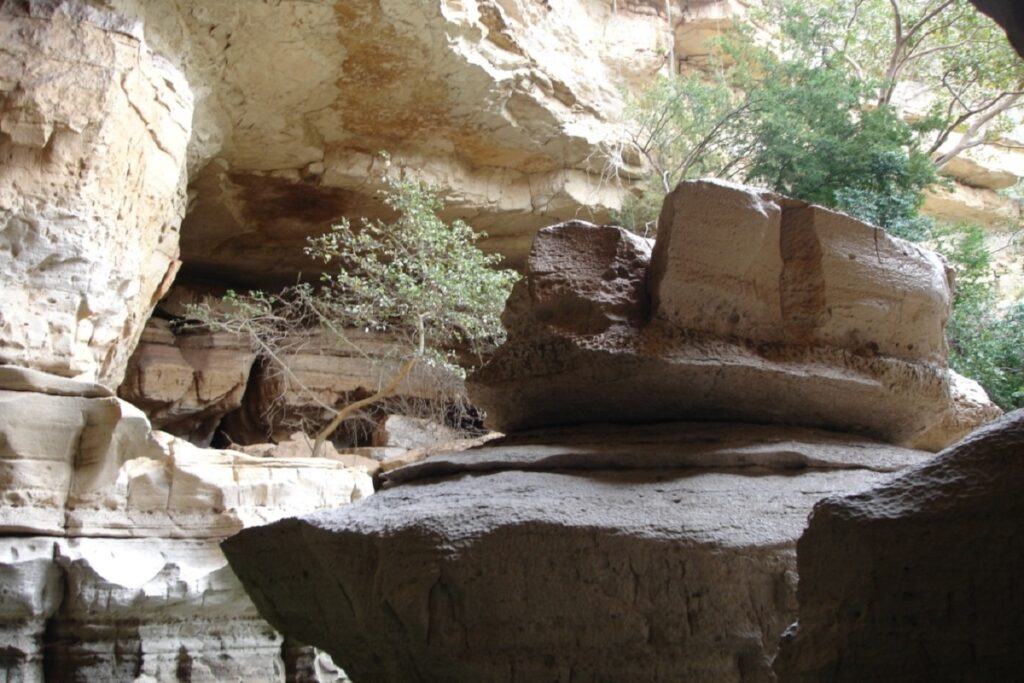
{"points": [[700, 24], [971, 407], [716, 264], [543, 82], [412, 432], [300, 445], [187, 382], [52, 445], [92, 153], [961, 203], [203, 493], [152, 609], [94, 467], [32, 591], [915, 579], [736, 262], [759, 314]]}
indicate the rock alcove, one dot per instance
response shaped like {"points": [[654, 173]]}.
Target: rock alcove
{"points": [[150, 147]]}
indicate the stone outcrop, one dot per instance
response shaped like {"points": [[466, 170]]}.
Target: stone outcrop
{"points": [[93, 133], [962, 203], [115, 572], [605, 553], [503, 105], [761, 309], [316, 376], [655, 551], [187, 383], [917, 579]]}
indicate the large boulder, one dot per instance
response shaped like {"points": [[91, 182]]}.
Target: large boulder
{"points": [[917, 579], [93, 133], [601, 553], [755, 308]]}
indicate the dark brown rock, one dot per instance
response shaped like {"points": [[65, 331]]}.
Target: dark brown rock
{"points": [[494, 567]]}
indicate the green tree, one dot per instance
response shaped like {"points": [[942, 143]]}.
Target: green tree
{"points": [[943, 53], [416, 280], [810, 111], [985, 343]]}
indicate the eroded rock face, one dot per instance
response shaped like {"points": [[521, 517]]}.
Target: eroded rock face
{"points": [[115, 572], [608, 553], [319, 375], [93, 133], [762, 309], [917, 579], [502, 105], [187, 383]]}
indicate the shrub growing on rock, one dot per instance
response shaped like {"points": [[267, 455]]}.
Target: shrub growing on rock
{"points": [[419, 282]]}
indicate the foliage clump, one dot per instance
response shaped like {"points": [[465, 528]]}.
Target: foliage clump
{"points": [[416, 281], [986, 343]]}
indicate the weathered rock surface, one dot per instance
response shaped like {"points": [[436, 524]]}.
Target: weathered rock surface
{"points": [[116, 574], [319, 375], [502, 105], [93, 133], [151, 607], [613, 554], [918, 578], [762, 309], [186, 383], [962, 203], [32, 591]]}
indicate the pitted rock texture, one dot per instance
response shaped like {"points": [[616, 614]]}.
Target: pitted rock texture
{"points": [[115, 573], [761, 309], [93, 133], [917, 579], [501, 104], [627, 557]]}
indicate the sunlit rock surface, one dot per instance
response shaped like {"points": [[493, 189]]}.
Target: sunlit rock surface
{"points": [[755, 308], [94, 127], [111, 568]]}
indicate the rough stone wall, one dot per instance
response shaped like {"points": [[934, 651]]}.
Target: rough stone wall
{"points": [[109, 533], [93, 131]]}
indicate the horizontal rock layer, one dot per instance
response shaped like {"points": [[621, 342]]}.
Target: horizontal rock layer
{"points": [[115, 573], [491, 566], [751, 307]]}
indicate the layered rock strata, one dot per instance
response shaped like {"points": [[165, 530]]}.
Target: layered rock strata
{"points": [[917, 579], [115, 571], [752, 307], [591, 553], [93, 133], [654, 552], [187, 383]]}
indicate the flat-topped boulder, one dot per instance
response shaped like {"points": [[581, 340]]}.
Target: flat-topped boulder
{"points": [[592, 553], [753, 307]]}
